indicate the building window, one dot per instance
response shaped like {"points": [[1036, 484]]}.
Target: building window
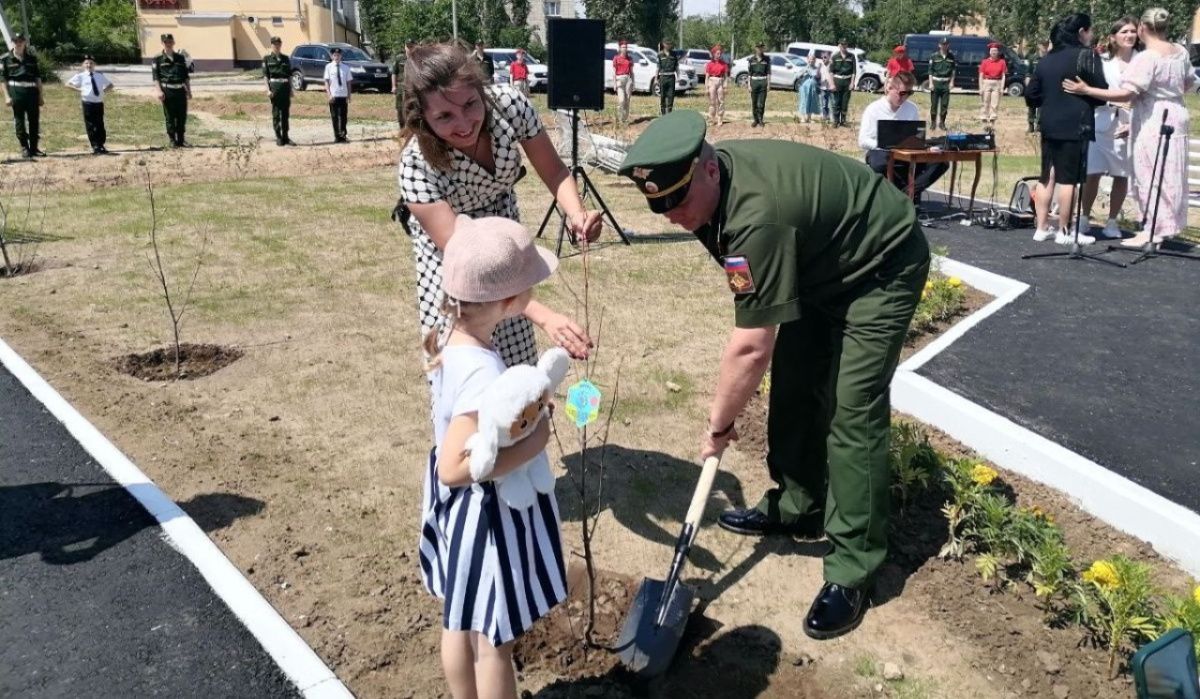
{"points": [[277, 21], [553, 8]]}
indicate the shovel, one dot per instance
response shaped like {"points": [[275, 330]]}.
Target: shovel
{"points": [[660, 609]]}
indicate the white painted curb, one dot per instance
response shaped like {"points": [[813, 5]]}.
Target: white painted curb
{"points": [[297, 660], [1173, 530]]}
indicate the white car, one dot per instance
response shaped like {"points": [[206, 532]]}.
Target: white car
{"points": [[787, 72], [501, 58], [870, 73], [645, 70], [697, 59]]}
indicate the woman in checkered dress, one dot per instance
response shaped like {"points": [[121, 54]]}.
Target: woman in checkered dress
{"points": [[465, 158]]}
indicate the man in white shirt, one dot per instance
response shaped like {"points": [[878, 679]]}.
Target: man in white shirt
{"points": [[337, 86], [895, 106], [91, 87]]}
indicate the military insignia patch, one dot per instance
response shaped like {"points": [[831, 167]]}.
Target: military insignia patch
{"points": [[737, 271], [641, 172]]}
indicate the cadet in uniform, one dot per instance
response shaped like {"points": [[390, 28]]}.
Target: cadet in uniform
{"points": [[170, 74], [519, 73], [825, 263], [843, 67], [760, 82], [1032, 58], [941, 78], [277, 71], [667, 65], [486, 64], [623, 70], [398, 81], [91, 87], [339, 82], [23, 92]]}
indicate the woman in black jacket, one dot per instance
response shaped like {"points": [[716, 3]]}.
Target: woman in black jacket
{"points": [[1067, 122]]}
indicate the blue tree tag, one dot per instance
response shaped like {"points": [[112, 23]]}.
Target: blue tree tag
{"points": [[583, 403]]}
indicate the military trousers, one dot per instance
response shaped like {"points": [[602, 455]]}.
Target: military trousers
{"points": [[281, 108], [841, 105], [666, 93], [27, 116], [758, 99], [93, 122], [175, 104], [939, 102], [829, 419]]}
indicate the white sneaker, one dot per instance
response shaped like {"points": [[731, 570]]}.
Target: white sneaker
{"points": [[1068, 239], [1043, 234], [1111, 230]]}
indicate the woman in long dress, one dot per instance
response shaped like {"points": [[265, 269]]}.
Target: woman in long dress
{"points": [[1155, 83], [810, 89]]}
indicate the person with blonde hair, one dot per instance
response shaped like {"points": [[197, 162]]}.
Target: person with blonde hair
{"points": [[464, 157], [1155, 84]]}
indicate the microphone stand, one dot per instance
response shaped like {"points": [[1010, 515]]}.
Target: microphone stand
{"points": [[1076, 252], [1157, 174]]}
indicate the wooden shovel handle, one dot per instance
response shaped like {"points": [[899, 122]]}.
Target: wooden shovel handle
{"points": [[703, 488]]}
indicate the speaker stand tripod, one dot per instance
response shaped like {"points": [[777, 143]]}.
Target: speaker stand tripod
{"points": [[1156, 180], [1076, 252], [585, 186]]}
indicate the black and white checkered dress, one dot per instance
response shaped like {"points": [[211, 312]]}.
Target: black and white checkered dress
{"points": [[470, 189]]}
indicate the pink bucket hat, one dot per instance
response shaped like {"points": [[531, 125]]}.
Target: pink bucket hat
{"points": [[491, 259]]}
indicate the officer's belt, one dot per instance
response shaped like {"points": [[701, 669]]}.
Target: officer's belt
{"points": [[277, 80], [667, 74], [14, 83], [941, 80], [843, 77], [174, 86]]}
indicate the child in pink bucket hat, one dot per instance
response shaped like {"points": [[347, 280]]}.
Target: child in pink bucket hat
{"points": [[497, 568]]}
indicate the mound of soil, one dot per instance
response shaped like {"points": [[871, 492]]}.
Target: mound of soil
{"points": [[195, 361]]}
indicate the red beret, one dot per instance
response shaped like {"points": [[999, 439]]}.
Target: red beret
{"points": [[898, 49], [995, 45], [715, 47]]}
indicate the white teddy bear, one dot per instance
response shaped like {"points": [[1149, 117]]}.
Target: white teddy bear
{"points": [[509, 410]]}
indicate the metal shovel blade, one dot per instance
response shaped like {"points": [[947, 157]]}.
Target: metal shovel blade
{"points": [[645, 647]]}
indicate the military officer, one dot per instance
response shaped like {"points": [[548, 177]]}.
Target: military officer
{"points": [[277, 71], [825, 264], [941, 78], [843, 66], [398, 80], [23, 92], [486, 64], [1032, 58], [759, 83], [668, 64], [170, 75]]}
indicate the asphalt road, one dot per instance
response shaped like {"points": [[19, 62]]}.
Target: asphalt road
{"points": [[93, 602], [1096, 358]]}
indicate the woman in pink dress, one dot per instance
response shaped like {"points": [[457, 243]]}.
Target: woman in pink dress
{"points": [[1155, 83]]}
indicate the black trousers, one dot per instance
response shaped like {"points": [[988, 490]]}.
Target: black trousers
{"points": [[93, 121], [339, 112], [27, 115], [175, 105], [281, 107], [926, 175]]}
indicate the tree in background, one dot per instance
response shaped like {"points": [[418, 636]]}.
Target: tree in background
{"points": [[645, 22], [389, 23], [885, 22], [1028, 21], [108, 30]]}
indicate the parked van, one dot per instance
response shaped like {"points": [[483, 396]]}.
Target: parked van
{"points": [[968, 52], [870, 73], [645, 70]]}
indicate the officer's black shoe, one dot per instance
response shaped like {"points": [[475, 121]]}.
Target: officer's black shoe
{"points": [[37, 153], [25, 153], [753, 522], [837, 610]]}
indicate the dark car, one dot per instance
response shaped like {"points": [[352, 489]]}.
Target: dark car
{"points": [[968, 52], [309, 61]]}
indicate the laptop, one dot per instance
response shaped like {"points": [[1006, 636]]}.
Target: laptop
{"points": [[901, 134]]}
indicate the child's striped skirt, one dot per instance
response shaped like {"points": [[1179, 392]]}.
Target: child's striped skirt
{"points": [[498, 569]]}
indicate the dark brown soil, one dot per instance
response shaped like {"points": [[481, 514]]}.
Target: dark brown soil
{"points": [[747, 661], [195, 361], [975, 300]]}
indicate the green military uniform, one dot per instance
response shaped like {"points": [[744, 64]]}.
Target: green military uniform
{"points": [[819, 246], [21, 79], [941, 75], [668, 64], [1033, 113], [842, 68], [760, 82], [171, 73], [398, 71], [277, 70]]}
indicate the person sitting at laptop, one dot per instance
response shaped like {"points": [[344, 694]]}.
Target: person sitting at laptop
{"points": [[895, 106]]}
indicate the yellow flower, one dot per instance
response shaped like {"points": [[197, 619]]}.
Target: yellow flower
{"points": [[983, 475], [1196, 594], [924, 294], [954, 281], [928, 285], [1103, 574]]}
